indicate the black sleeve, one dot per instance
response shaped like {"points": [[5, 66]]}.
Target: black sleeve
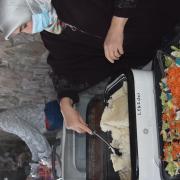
{"points": [[124, 8], [67, 88]]}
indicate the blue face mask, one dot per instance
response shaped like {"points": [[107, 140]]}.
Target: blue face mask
{"points": [[40, 22]]}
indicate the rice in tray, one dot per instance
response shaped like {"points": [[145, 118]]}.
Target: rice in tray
{"points": [[115, 119]]}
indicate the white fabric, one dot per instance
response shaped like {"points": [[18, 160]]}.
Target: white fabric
{"points": [[39, 6], [14, 13], [24, 122]]}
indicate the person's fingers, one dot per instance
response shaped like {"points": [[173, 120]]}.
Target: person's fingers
{"points": [[117, 54], [82, 121], [79, 130], [86, 125], [121, 50], [85, 128], [107, 55], [111, 54]]}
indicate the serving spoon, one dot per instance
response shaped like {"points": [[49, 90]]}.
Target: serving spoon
{"points": [[114, 150]]}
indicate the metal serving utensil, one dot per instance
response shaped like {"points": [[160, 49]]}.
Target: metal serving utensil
{"points": [[114, 150]]}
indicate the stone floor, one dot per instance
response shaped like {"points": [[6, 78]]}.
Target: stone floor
{"points": [[24, 75], [24, 80]]}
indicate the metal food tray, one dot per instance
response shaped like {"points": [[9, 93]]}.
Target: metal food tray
{"points": [[110, 89], [158, 69]]}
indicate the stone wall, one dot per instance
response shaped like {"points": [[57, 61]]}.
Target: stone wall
{"points": [[24, 75]]}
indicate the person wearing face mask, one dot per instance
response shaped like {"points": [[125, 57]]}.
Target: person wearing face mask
{"points": [[30, 16]]}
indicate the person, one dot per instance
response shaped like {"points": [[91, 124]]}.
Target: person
{"points": [[98, 39], [29, 16], [102, 38]]}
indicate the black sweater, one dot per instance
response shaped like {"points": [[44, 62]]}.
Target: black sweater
{"points": [[77, 59]]}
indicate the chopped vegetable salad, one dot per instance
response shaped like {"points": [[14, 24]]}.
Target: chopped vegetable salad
{"points": [[170, 99]]}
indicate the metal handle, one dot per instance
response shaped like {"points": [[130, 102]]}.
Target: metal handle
{"points": [[114, 150]]}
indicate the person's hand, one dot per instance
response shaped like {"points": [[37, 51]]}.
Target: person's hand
{"points": [[113, 44], [72, 118]]}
